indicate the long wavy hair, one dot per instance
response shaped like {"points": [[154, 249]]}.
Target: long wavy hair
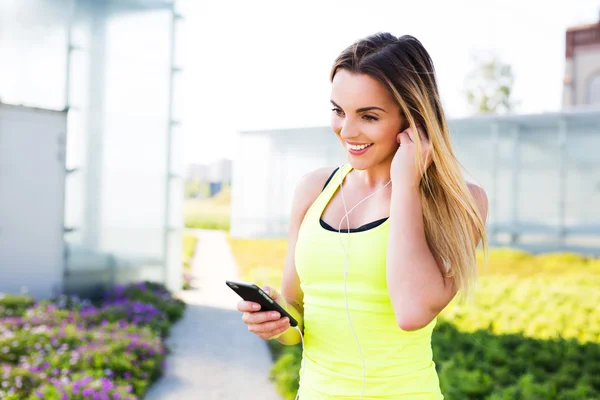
{"points": [[451, 218]]}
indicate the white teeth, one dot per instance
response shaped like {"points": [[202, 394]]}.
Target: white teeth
{"points": [[359, 147]]}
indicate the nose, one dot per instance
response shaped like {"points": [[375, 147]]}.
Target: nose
{"points": [[348, 130]]}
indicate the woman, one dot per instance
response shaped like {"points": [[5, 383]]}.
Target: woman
{"points": [[367, 285]]}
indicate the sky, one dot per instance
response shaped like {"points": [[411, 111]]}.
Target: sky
{"points": [[252, 65]]}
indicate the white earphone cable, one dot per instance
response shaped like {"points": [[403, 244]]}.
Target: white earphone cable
{"points": [[347, 251], [301, 362]]}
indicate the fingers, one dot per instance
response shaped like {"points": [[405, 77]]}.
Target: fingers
{"points": [[274, 294], [248, 306], [422, 132], [265, 324], [403, 138], [260, 317], [411, 137], [270, 328]]}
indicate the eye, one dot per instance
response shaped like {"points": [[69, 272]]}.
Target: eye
{"points": [[337, 111], [370, 118]]}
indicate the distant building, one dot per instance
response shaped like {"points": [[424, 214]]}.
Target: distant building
{"points": [[196, 172], [216, 174], [220, 171], [582, 66]]}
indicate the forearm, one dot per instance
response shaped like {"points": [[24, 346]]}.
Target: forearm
{"points": [[291, 336], [415, 283]]}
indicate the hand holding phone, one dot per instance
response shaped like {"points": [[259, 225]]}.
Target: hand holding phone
{"points": [[262, 313]]}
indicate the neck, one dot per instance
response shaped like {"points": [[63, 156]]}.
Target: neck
{"points": [[374, 177]]}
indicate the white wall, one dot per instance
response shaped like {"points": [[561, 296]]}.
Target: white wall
{"points": [[32, 181]]}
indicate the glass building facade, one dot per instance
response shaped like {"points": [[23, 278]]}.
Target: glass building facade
{"points": [[541, 173], [115, 66]]}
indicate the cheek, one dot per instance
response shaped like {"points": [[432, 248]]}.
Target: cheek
{"points": [[381, 134], [336, 124]]}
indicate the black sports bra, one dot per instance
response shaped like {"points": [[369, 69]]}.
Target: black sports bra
{"points": [[362, 228]]}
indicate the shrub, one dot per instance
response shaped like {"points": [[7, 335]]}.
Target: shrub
{"points": [[532, 333], [69, 348], [14, 306], [83, 389], [153, 294]]}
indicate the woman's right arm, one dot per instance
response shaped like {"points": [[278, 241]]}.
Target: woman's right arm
{"points": [[291, 298]]}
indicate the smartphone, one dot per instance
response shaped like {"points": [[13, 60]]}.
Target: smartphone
{"points": [[253, 293]]}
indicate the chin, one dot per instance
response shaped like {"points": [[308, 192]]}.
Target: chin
{"points": [[359, 164]]}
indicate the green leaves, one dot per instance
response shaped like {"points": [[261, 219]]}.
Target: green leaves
{"points": [[532, 333]]}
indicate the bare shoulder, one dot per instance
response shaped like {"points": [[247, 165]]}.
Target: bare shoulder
{"points": [[480, 198], [314, 181], [310, 186]]}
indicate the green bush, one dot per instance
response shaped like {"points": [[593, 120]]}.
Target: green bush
{"points": [[285, 371], [22, 380], [189, 246], [476, 365], [213, 222], [69, 348], [14, 306], [532, 333], [83, 388], [154, 294]]}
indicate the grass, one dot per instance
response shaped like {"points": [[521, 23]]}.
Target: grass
{"points": [[189, 247], [212, 213]]}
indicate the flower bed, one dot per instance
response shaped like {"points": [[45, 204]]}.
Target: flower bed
{"points": [[532, 333], [68, 348]]}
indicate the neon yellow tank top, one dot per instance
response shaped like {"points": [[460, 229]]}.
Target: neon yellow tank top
{"points": [[398, 363]]}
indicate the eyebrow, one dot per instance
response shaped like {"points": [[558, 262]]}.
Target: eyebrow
{"points": [[364, 109]]}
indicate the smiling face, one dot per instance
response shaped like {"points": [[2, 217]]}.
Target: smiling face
{"points": [[366, 119]]}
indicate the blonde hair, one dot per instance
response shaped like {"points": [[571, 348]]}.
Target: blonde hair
{"points": [[451, 218]]}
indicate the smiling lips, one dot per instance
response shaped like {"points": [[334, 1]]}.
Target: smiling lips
{"points": [[355, 148]]}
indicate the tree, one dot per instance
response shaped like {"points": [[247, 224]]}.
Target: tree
{"points": [[489, 85]]}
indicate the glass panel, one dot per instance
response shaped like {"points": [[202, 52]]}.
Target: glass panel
{"points": [[504, 201], [475, 152], [583, 178], [118, 142], [594, 90], [176, 188], [539, 178], [178, 105], [178, 166], [33, 50], [174, 274]]}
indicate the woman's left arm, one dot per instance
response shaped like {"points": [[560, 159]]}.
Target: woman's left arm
{"points": [[417, 289]]}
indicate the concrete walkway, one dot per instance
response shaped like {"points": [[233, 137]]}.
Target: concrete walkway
{"points": [[214, 357]]}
